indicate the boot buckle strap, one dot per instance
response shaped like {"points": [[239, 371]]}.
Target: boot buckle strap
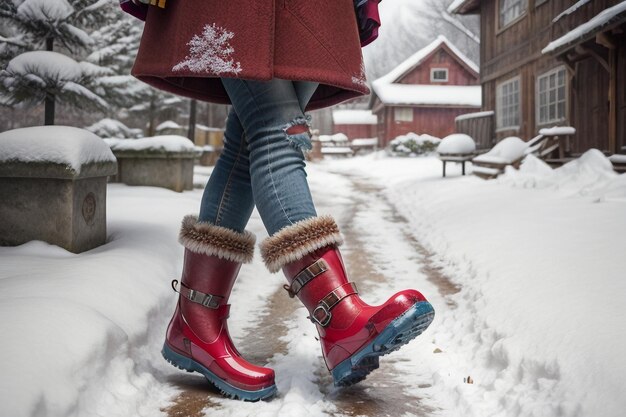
{"points": [[321, 314], [306, 275], [207, 300]]}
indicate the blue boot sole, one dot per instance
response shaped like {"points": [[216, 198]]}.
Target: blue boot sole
{"points": [[398, 333], [189, 365]]}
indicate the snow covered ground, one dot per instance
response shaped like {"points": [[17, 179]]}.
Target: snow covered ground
{"points": [[537, 323]]}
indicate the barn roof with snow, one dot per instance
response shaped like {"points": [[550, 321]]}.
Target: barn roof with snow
{"points": [[395, 88]]}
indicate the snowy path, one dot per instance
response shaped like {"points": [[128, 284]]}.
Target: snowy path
{"points": [[286, 340]]}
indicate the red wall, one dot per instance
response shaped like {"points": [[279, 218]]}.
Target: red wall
{"points": [[356, 131], [435, 121], [441, 58]]}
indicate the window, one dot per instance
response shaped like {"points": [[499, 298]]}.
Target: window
{"points": [[511, 10], [439, 75], [551, 96], [508, 104], [403, 114]]}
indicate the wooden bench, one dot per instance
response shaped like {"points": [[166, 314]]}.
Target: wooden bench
{"points": [[619, 162]]}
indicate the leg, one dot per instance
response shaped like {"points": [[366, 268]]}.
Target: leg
{"points": [[227, 200], [277, 132]]}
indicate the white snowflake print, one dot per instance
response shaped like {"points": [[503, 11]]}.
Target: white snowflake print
{"points": [[360, 79], [210, 52]]}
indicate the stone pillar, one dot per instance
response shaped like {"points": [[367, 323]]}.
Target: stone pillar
{"points": [[53, 202]]}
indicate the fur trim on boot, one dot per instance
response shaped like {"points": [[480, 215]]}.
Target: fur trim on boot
{"points": [[299, 239], [209, 239]]}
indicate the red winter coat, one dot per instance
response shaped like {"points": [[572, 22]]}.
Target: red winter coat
{"points": [[189, 44]]}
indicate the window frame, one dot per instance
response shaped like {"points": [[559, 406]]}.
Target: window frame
{"points": [[396, 111], [502, 27], [547, 74], [432, 73], [499, 115]]}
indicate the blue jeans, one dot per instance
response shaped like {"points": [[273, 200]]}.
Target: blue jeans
{"points": [[262, 161]]}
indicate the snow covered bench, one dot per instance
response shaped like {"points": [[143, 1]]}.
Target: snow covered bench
{"points": [[364, 144], [457, 147], [53, 183], [509, 151], [337, 151], [159, 161], [619, 162]]}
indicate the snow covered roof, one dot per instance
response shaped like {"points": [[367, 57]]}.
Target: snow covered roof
{"points": [[608, 17], [417, 58], [570, 10], [463, 6], [354, 117], [474, 115], [429, 94]]}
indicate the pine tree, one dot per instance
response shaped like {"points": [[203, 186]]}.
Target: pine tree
{"points": [[49, 25]]}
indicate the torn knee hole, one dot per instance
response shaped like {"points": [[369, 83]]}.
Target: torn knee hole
{"points": [[298, 132]]}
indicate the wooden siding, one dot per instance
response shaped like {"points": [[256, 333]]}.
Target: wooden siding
{"points": [[515, 50], [354, 131]]}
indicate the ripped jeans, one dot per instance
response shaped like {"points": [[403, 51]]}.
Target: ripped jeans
{"points": [[262, 161]]}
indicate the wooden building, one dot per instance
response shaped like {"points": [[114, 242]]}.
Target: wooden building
{"points": [[425, 92], [355, 123], [554, 62]]}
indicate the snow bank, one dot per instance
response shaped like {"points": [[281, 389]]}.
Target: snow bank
{"points": [[457, 143], [66, 145], [539, 322], [507, 151], [582, 176], [165, 143]]}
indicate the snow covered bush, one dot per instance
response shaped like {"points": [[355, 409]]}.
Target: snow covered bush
{"points": [[413, 144], [111, 128]]}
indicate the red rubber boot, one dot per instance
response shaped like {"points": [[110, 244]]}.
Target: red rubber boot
{"points": [[352, 333], [197, 337]]}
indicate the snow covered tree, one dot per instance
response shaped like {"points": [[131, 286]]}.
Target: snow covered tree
{"points": [[33, 25], [39, 75]]}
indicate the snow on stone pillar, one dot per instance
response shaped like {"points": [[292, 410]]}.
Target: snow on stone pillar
{"points": [[159, 161], [53, 187]]}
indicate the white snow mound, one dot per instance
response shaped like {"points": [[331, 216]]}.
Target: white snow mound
{"points": [[164, 143], [457, 143], [507, 151], [67, 145]]}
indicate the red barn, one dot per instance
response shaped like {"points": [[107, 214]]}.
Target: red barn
{"points": [[426, 92], [355, 123]]}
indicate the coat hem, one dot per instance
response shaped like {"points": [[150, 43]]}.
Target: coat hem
{"points": [[330, 91]]}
